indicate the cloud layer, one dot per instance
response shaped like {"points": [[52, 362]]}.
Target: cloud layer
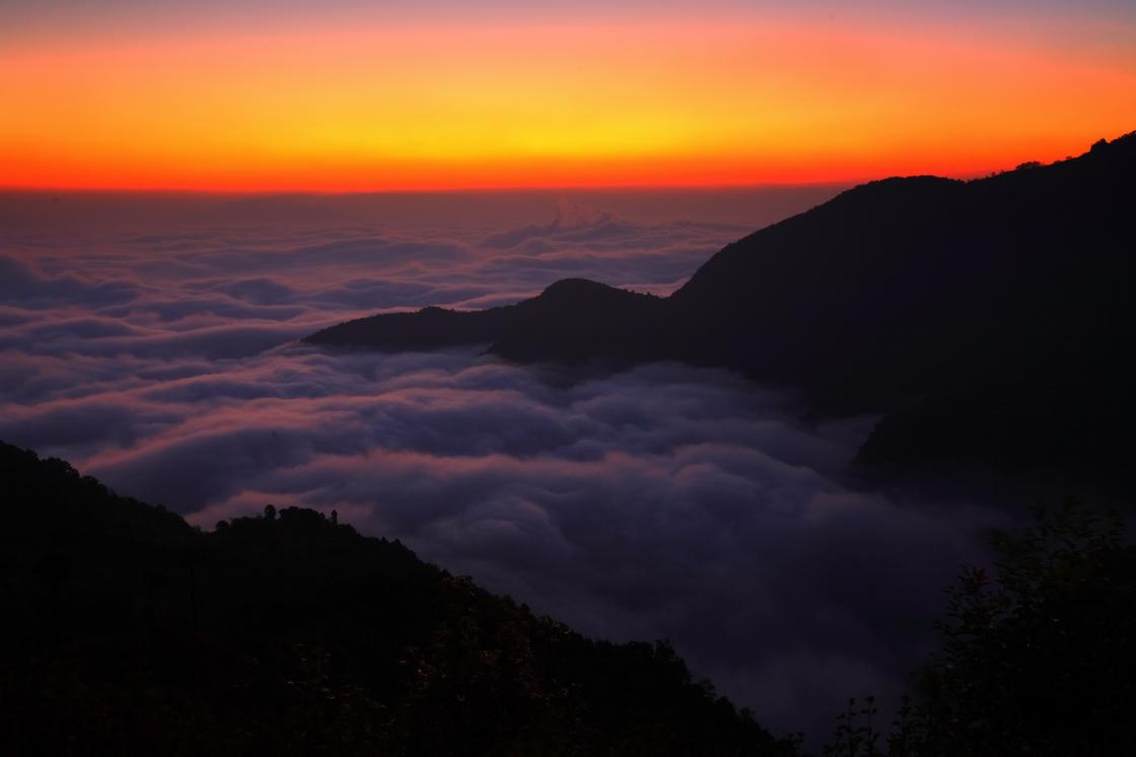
{"points": [[666, 501]]}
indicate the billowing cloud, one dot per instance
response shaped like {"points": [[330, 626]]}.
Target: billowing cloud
{"points": [[665, 501], [21, 284]]}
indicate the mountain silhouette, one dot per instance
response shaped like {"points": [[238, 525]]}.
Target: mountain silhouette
{"points": [[985, 321], [130, 632]]}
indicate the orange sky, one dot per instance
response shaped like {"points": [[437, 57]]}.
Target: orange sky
{"points": [[354, 102]]}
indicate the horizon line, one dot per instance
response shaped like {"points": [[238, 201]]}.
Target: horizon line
{"points": [[475, 189]]}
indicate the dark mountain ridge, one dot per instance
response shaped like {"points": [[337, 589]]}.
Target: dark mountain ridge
{"points": [[131, 632], [985, 320]]}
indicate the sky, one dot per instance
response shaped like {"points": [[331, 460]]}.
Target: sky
{"points": [[344, 95]]}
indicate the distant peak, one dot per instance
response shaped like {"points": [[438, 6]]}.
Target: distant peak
{"points": [[573, 286], [576, 289]]}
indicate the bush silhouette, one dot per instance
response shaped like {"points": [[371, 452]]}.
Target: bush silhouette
{"points": [[1037, 656]]}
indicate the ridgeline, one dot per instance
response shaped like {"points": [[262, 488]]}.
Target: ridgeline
{"points": [[985, 321]]}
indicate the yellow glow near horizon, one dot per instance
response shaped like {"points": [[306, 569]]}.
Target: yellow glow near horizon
{"points": [[417, 106]]}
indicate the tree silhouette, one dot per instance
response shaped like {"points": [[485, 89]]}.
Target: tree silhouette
{"points": [[1037, 656]]}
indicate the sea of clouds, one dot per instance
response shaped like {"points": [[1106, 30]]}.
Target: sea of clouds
{"points": [[151, 342]]}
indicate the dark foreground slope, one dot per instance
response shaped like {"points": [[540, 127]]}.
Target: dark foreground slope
{"points": [[127, 631], [989, 320]]}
